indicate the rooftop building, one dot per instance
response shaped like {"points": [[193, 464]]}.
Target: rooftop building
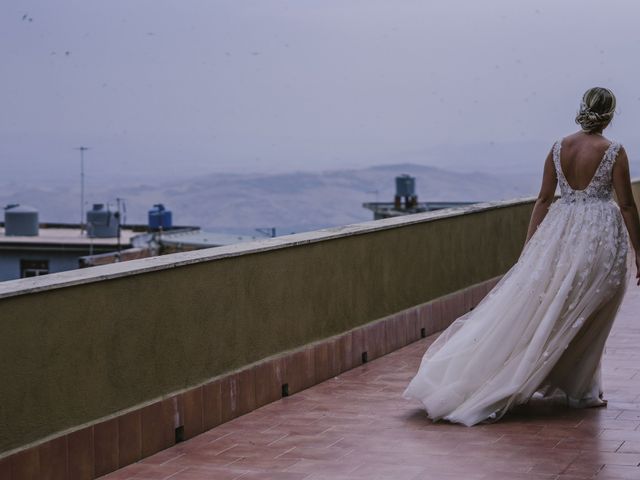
{"points": [[406, 201], [56, 248], [29, 248]]}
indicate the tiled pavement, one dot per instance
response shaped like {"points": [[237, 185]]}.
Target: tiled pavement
{"points": [[357, 426]]}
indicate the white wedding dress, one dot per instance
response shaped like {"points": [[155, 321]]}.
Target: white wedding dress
{"points": [[542, 328]]}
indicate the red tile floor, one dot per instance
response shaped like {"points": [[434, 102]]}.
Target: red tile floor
{"points": [[357, 426]]}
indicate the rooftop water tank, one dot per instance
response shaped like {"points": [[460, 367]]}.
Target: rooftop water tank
{"points": [[102, 222], [159, 218], [20, 220], [405, 186]]}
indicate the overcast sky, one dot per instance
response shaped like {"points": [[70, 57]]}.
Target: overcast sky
{"points": [[194, 86]]}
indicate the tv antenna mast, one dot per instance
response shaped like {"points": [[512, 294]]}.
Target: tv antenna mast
{"points": [[121, 216], [82, 150]]}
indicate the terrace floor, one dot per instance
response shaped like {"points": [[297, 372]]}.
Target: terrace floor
{"points": [[357, 426]]}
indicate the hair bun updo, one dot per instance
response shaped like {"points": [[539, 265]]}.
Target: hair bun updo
{"points": [[596, 109]]}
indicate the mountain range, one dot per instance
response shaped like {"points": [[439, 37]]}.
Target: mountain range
{"points": [[290, 202]]}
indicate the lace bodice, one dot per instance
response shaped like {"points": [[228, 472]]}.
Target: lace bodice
{"points": [[599, 188]]}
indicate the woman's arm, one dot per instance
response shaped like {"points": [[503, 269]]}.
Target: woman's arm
{"points": [[545, 197], [622, 186]]}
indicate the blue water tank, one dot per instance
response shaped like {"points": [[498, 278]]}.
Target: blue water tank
{"points": [[405, 185], [159, 217]]}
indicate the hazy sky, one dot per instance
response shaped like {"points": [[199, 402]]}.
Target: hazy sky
{"points": [[194, 86]]}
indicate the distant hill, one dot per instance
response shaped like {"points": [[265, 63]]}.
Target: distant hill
{"points": [[291, 202]]}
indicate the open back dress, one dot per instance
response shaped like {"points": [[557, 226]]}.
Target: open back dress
{"points": [[543, 327]]}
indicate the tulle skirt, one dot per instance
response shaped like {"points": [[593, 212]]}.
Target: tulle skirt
{"points": [[541, 329]]}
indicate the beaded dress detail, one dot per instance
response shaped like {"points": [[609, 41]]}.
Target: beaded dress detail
{"points": [[542, 329]]}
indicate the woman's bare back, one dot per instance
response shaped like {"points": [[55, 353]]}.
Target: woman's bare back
{"points": [[580, 156]]}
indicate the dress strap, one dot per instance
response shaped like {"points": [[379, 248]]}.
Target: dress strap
{"points": [[610, 155], [556, 156], [615, 148]]}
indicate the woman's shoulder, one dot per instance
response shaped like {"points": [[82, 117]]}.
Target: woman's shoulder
{"points": [[579, 139]]}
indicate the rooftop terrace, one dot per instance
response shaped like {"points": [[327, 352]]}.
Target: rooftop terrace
{"points": [[285, 358], [356, 425]]}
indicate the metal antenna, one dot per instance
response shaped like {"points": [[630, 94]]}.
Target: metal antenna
{"points": [[82, 150], [120, 202]]}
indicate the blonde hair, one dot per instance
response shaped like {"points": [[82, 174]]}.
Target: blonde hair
{"points": [[596, 109]]}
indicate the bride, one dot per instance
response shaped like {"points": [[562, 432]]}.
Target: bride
{"points": [[542, 329]]}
